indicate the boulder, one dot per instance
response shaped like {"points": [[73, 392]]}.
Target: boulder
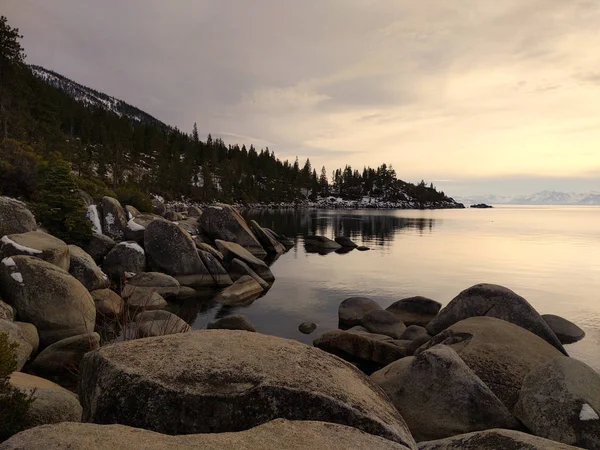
{"points": [[225, 223], [6, 312], [83, 267], [244, 290], [158, 207], [360, 347], [171, 250], [189, 225], [270, 244], [352, 310], [36, 243], [63, 357], [231, 251], [15, 218], [172, 216], [126, 256], [194, 211], [307, 327], [98, 247], [345, 242], [413, 332], [274, 435], [566, 332], [494, 440], [208, 248], [415, 310], [238, 269], [52, 404], [186, 293], [380, 321], [499, 352], [108, 303], [157, 323], [30, 333], [131, 212], [321, 242], [439, 396], [233, 322], [48, 297], [363, 248], [137, 226], [161, 283], [218, 272], [560, 400], [496, 301], [215, 381], [114, 219], [146, 300], [15, 335]]}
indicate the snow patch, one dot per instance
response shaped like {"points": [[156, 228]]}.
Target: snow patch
{"points": [[587, 413], [220, 208], [134, 226], [133, 245], [109, 219], [17, 277], [9, 262], [94, 217], [31, 251]]}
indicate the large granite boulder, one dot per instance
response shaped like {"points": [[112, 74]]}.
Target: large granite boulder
{"points": [[567, 332], [36, 243], [494, 440], [161, 283], [126, 256], [345, 241], [145, 300], [560, 400], [233, 322], [113, 217], [158, 207], [108, 303], [380, 321], [231, 251], [194, 211], [98, 247], [496, 301], [136, 227], [31, 335], [203, 246], [216, 269], [499, 352], [15, 218], [84, 268], [132, 211], [226, 380], [244, 290], [352, 310], [189, 225], [48, 297], [52, 404], [224, 223], [238, 269], [439, 396], [270, 244], [413, 332], [7, 312], [321, 242], [15, 335], [157, 323], [415, 310], [275, 435]]}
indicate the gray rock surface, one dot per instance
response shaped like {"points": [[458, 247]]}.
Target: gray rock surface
{"points": [[352, 310], [124, 257], [415, 310], [380, 321], [413, 332], [98, 247], [208, 248], [269, 243], [275, 435], [244, 290], [161, 283], [214, 266], [231, 250], [16, 335], [6, 312], [108, 303], [38, 244], [31, 335], [194, 211], [567, 332], [560, 400], [137, 226], [496, 301], [307, 327], [158, 207], [499, 352], [48, 297], [63, 357], [131, 212], [226, 380], [15, 218], [233, 322], [238, 269], [145, 300], [157, 323], [83, 267], [113, 218], [439, 396]]}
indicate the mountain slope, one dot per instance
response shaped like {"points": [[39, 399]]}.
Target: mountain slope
{"points": [[539, 198]]}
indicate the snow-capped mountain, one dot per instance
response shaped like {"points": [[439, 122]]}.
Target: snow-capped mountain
{"points": [[91, 97], [539, 198]]}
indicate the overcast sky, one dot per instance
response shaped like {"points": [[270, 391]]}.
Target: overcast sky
{"points": [[478, 96]]}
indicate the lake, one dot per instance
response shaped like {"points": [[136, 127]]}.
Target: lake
{"points": [[549, 255]]}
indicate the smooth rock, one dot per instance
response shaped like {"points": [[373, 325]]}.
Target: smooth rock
{"points": [[136, 227], [83, 267], [63, 357], [415, 310], [48, 297], [38, 244], [245, 289], [186, 293], [189, 225], [380, 321], [270, 244], [98, 247], [15, 335], [238, 269], [496, 301], [31, 335], [146, 300], [321, 242], [499, 352], [157, 323], [560, 400], [307, 327], [362, 248], [567, 332], [233, 322], [439, 396], [352, 310], [413, 332], [208, 248], [231, 250], [114, 219], [224, 223], [275, 435], [108, 304], [131, 212], [215, 381], [218, 272], [345, 242], [194, 211], [15, 218], [161, 283], [494, 440], [124, 257], [6, 312]]}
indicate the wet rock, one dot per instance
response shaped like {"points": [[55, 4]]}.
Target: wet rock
{"points": [[215, 381], [345, 242], [321, 242], [352, 310], [415, 310], [245, 289], [114, 219], [38, 244], [380, 321], [15, 335], [496, 301], [157, 323], [307, 327], [108, 303], [238, 269], [98, 247], [124, 257], [270, 244], [83, 267], [15, 218], [439, 396], [161, 283], [233, 322], [567, 332], [560, 400], [62, 358], [231, 250]]}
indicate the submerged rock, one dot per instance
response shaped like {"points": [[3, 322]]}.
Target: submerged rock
{"points": [[233, 322], [38, 244], [345, 242], [352, 310], [307, 327], [245, 289], [415, 310], [567, 332], [321, 242]]}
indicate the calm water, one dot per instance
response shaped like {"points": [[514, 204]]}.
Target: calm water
{"points": [[549, 255]]}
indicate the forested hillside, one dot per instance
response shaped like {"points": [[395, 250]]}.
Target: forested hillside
{"points": [[113, 147]]}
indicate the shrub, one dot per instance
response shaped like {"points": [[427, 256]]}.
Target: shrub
{"points": [[96, 188], [14, 404], [18, 168], [131, 195]]}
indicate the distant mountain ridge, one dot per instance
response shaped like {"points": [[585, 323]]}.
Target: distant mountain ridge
{"points": [[91, 97], [546, 197]]}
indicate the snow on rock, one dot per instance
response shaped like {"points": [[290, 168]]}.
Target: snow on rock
{"points": [[94, 217], [216, 207], [9, 262], [133, 246], [133, 226], [110, 219], [17, 277], [587, 413], [8, 241]]}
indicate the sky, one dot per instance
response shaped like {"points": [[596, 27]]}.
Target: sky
{"points": [[476, 96]]}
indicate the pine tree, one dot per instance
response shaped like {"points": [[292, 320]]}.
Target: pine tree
{"points": [[323, 183], [12, 56]]}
